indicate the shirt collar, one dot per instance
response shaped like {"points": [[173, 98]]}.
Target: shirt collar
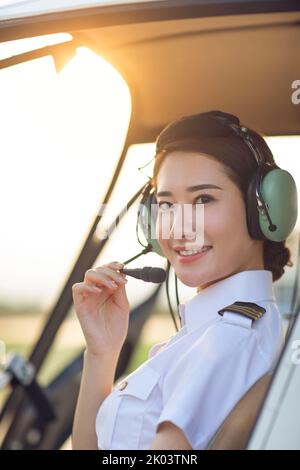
{"points": [[245, 286]]}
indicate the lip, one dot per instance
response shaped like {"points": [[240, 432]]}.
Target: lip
{"points": [[191, 258]]}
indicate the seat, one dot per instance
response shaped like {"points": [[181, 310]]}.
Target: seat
{"points": [[235, 430]]}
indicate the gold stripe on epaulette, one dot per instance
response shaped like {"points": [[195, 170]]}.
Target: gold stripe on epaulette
{"points": [[248, 309]]}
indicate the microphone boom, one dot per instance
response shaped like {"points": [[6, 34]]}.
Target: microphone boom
{"points": [[147, 274]]}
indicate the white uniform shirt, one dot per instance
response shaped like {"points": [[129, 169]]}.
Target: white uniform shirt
{"points": [[201, 372]]}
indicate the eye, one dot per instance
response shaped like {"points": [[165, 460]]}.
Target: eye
{"points": [[205, 196], [165, 205], [162, 207]]}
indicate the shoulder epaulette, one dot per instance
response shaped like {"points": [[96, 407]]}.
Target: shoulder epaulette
{"points": [[248, 309]]}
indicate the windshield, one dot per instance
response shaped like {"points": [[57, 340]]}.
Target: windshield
{"points": [[62, 134]]}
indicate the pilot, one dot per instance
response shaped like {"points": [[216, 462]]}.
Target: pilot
{"points": [[231, 330]]}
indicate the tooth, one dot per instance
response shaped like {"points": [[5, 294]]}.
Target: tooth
{"points": [[191, 252]]}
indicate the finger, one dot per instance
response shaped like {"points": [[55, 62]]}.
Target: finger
{"points": [[115, 265], [114, 275], [82, 286], [105, 272], [100, 278], [84, 289]]}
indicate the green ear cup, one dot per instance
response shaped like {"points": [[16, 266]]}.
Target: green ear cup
{"points": [[147, 219], [279, 191]]}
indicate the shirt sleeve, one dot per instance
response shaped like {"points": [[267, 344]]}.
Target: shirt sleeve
{"points": [[202, 387]]}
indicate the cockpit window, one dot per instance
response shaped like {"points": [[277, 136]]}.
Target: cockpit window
{"points": [[61, 137]]}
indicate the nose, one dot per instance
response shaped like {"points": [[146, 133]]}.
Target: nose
{"points": [[187, 223]]}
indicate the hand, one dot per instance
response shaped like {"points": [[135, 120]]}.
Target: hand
{"points": [[102, 308]]}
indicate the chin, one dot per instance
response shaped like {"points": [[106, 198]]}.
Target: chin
{"points": [[190, 281]]}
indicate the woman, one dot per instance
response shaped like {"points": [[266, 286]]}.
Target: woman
{"points": [[181, 395]]}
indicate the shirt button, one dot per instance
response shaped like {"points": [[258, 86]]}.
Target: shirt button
{"points": [[123, 385]]}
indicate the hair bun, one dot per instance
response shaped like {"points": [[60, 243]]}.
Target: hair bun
{"points": [[276, 256]]}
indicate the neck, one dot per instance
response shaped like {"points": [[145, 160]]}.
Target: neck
{"points": [[255, 263]]}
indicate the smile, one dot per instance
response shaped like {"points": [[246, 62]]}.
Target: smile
{"points": [[187, 256]]}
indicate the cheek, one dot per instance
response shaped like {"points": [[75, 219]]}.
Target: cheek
{"points": [[227, 224]]}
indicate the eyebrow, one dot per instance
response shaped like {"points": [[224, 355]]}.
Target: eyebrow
{"points": [[190, 189]]}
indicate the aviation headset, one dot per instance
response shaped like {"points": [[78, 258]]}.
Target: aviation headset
{"points": [[271, 201]]}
